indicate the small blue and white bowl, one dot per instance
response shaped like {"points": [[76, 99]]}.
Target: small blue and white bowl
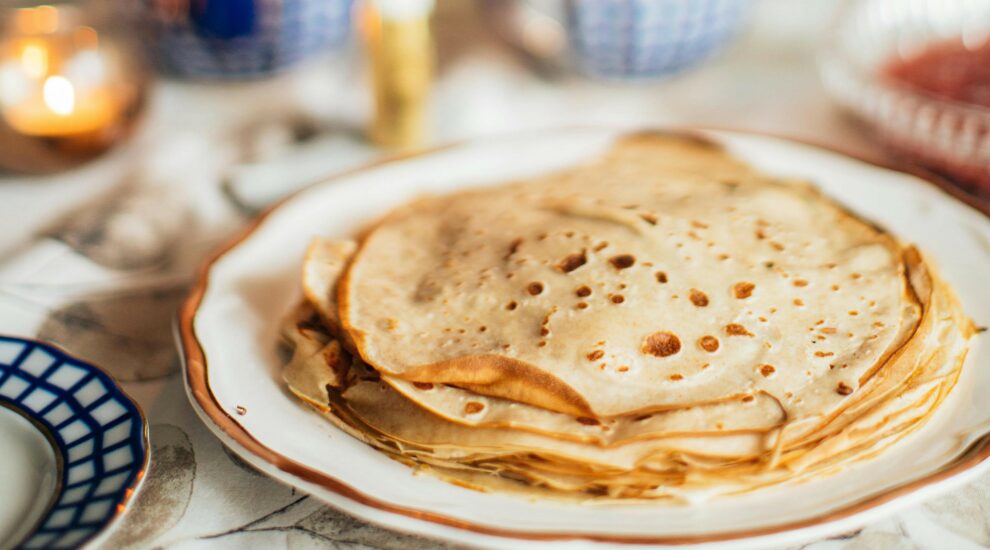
{"points": [[74, 448], [240, 39], [633, 39]]}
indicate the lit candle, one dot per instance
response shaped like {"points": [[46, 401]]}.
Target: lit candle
{"points": [[65, 93]]}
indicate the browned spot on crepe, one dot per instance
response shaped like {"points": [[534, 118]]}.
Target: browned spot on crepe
{"points": [[622, 261], [572, 262], [661, 344], [735, 329], [708, 343], [513, 248], [743, 290]]}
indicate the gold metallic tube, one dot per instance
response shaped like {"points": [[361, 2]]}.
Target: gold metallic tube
{"points": [[399, 42]]}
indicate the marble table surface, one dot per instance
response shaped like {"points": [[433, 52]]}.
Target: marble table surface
{"points": [[98, 259]]}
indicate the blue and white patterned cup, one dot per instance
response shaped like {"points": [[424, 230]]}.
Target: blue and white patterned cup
{"points": [[230, 39], [649, 38]]}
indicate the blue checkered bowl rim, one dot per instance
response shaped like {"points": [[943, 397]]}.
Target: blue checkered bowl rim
{"points": [[99, 435]]}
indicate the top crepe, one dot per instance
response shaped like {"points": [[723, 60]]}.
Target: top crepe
{"points": [[632, 285]]}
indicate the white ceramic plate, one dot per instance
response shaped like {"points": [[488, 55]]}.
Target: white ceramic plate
{"points": [[229, 332]]}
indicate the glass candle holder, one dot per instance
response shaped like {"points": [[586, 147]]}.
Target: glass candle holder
{"points": [[72, 83]]}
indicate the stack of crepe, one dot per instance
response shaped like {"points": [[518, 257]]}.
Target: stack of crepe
{"points": [[660, 321]]}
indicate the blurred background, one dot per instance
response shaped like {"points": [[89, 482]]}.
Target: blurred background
{"points": [[136, 137], [260, 97], [263, 96]]}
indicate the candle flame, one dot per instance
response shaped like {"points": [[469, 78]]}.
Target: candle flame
{"points": [[59, 95], [34, 60]]}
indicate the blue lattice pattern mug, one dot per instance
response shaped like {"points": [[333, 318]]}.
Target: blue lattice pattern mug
{"points": [[649, 38], [244, 38]]}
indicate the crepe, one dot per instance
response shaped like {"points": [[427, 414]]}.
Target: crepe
{"points": [[738, 413], [608, 299], [661, 321]]}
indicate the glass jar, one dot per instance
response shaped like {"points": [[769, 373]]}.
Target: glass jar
{"points": [[72, 83], [933, 131]]}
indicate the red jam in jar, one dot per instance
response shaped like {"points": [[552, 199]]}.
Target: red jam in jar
{"points": [[948, 70], [953, 73]]}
